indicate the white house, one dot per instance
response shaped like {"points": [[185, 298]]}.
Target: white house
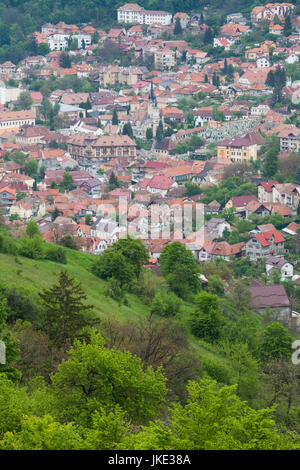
{"points": [[292, 58], [276, 262], [262, 62]]}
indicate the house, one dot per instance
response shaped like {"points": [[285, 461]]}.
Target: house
{"points": [[262, 62], [278, 263], [183, 18], [240, 202], [275, 29], [291, 229], [287, 194], [7, 197], [223, 42], [272, 297], [262, 245], [159, 184], [265, 191], [106, 229], [226, 251], [215, 228]]}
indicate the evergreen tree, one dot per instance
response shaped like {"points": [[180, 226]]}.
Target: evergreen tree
{"points": [[287, 30], [64, 310], [113, 182], [115, 121], [177, 27], [149, 133], [55, 214], [127, 130], [208, 36], [65, 61], [159, 132], [297, 179], [152, 96]]}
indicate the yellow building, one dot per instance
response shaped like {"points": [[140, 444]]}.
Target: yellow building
{"points": [[241, 149]]}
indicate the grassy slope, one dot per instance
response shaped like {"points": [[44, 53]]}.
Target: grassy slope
{"points": [[40, 274]]}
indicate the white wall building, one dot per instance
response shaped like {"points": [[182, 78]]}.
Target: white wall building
{"points": [[133, 13], [59, 42], [8, 93]]}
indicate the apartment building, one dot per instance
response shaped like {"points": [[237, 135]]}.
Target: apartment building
{"points": [[8, 93], [16, 119], [60, 42], [164, 59], [133, 13], [114, 75], [289, 139]]}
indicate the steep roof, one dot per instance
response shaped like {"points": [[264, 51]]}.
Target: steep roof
{"points": [[273, 296]]}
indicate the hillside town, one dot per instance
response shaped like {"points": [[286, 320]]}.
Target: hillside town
{"points": [[149, 228], [141, 114]]}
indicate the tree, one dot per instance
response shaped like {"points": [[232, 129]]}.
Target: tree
{"points": [[11, 348], [270, 163], [135, 253], [25, 100], [114, 120], [213, 418], [180, 268], [43, 49], [287, 30], [206, 320], [66, 183], [149, 133], [165, 304], [65, 61], [31, 168], [113, 265], [55, 214], [32, 229], [229, 214], [159, 132], [65, 315], [177, 27], [208, 36], [96, 378], [88, 219], [190, 119], [276, 343], [245, 368], [113, 181], [127, 130]]}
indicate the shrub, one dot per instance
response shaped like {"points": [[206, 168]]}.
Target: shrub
{"points": [[32, 247], [56, 253]]}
